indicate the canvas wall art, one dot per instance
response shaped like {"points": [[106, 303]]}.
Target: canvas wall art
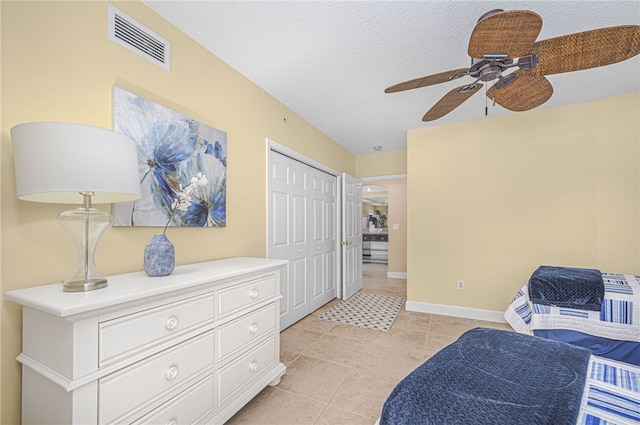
{"points": [[182, 164]]}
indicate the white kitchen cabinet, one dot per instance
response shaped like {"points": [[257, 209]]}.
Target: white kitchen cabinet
{"points": [[192, 347]]}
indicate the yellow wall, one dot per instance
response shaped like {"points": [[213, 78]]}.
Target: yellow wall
{"points": [[491, 200], [397, 214], [58, 65], [381, 164]]}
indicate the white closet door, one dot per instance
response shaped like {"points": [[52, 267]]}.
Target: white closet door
{"points": [[302, 229], [323, 268], [290, 234], [351, 235]]}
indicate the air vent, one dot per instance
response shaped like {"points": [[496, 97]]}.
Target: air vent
{"points": [[130, 34]]}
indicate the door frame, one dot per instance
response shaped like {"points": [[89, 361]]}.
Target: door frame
{"points": [[272, 145]]}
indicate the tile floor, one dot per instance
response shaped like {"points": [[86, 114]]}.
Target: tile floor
{"points": [[339, 374]]}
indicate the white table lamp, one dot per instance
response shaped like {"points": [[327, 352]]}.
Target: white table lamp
{"points": [[65, 163]]}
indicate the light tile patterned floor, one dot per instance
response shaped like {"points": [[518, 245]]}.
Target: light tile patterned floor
{"points": [[339, 374], [366, 310]]}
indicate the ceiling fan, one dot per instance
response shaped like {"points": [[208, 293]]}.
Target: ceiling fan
{"points": [[505, 40]]}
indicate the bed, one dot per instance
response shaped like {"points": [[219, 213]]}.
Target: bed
{"points": [[491, 376], [612, 331]]}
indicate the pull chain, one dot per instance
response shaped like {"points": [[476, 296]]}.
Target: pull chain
{"points": [[486, 106]]}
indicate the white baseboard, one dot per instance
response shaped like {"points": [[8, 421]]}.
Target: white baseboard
{"points": [[397, 275], [455, 311]]}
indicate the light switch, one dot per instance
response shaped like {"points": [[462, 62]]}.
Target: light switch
{"points": [[395, 227]]}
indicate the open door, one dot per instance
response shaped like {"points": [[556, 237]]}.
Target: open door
{"points": [[351, 236]]}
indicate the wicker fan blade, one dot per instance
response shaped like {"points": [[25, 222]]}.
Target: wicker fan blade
{"points": [[429, 80], [523, 94], [451, 101], [511, 32], [588, 49]]}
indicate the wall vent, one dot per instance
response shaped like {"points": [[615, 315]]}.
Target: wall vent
{"points": [[134, 36]]}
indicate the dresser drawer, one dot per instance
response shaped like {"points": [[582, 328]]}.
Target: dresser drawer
{"points": [[139, 383], [243, 331], [244, 295], [122, 336], [188, 407], [242, 371]]}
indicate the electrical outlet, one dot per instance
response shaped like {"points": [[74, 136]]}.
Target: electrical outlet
{"points": [[461, 284]]}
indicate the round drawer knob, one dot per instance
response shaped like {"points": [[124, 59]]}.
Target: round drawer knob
{"points": [[253, 329], [172, 323], [172, 373], [253, 366], [172, 422], [253, 293]]}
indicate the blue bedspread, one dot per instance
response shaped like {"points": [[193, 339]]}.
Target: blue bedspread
{"points": [[567, 287], [492, 377], [624, 351]]}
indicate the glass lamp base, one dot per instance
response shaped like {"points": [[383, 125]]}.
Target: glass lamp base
{"points": [[82, 286], [85, 226]]}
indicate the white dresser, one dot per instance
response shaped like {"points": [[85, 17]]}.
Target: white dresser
{"points": [[189, 348]]}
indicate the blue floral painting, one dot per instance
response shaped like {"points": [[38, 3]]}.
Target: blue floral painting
{"points": [[174, 151]]}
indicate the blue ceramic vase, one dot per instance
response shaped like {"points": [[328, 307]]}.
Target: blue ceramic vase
{"points": [[159, 256]]}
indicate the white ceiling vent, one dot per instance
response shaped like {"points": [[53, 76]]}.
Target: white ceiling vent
{"points": [[134, 36]]}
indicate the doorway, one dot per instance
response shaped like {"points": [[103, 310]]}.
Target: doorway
{"points": [[391, 191], [375, 231]]}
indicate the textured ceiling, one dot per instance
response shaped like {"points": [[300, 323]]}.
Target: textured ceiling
{"points": [[330, 61]]}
